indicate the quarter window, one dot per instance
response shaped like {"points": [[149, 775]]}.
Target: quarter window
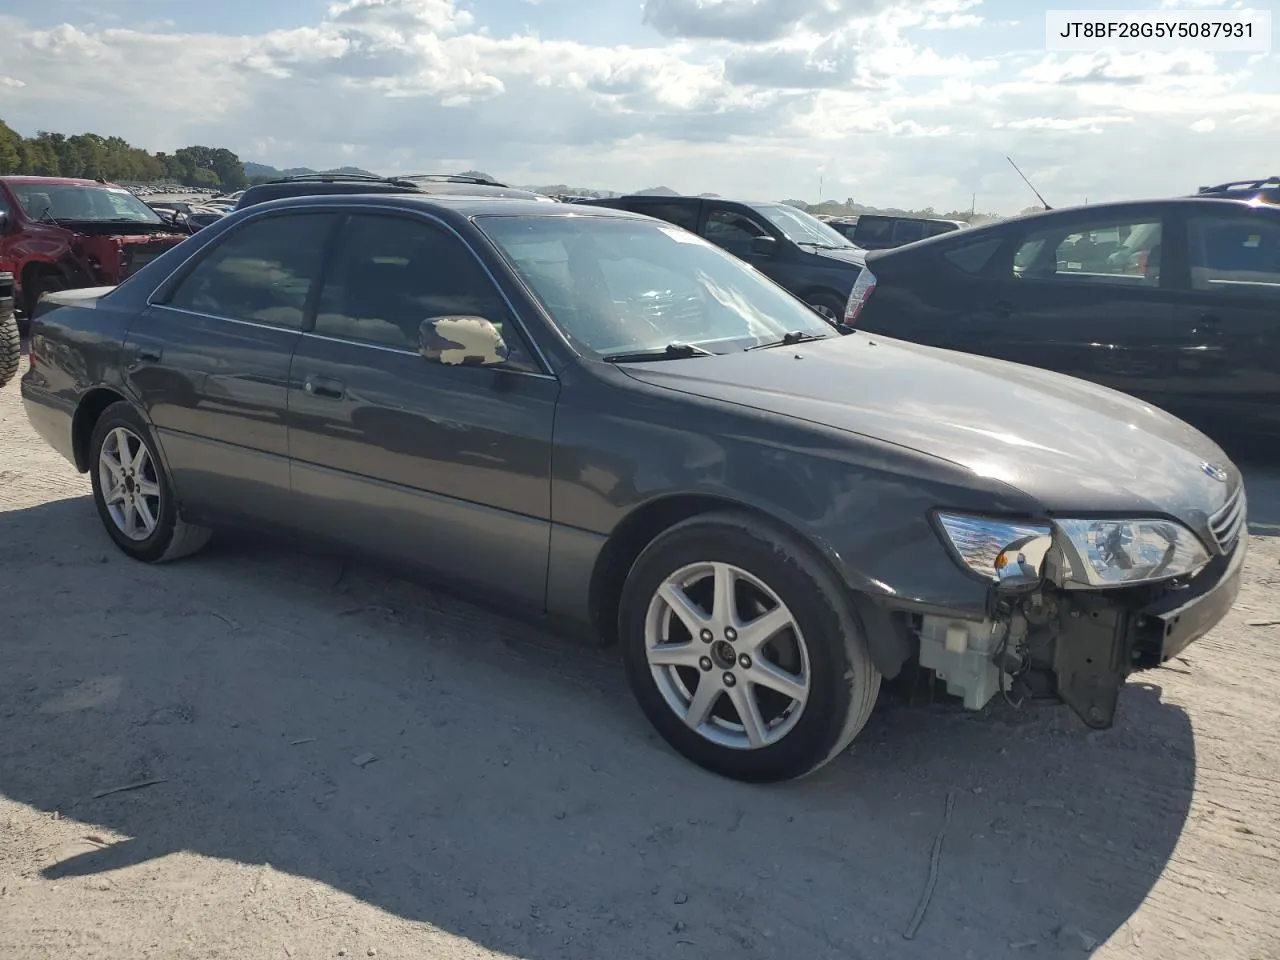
{"points": [[1113, 252], [389, 274], [973, 257], [1235, 254], [261, 272]]}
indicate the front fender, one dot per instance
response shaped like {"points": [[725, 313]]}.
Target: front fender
{"points": [[863, 504]]}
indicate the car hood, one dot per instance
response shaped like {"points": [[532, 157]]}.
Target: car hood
{"points": [[1075, 447]]}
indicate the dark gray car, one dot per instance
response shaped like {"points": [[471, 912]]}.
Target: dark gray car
{"points": [[614, 423]]}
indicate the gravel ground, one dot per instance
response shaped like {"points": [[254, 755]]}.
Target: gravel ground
{"points": [[518, 804]]}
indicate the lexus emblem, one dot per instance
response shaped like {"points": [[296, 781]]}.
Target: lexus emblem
{"points": [[1213, 470]]}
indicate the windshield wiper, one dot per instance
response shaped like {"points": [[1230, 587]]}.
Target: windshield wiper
{"points": [[790, 340], [672, 351], [46, 215]]}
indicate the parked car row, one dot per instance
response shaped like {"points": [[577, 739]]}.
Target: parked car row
{"points": [[614, 422]]}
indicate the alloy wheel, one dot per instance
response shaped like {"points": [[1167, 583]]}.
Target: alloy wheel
{"points": [[727, 655], [130, 483]]}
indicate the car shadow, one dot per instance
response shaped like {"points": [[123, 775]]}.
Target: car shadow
{"points": [[517, 797]]}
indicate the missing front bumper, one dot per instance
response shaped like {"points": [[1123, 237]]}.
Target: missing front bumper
{"points": [[1079, 646]]}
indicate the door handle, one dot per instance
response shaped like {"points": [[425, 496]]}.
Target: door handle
{"points": [[1209, 323], [145, 355], [326, 387], [1002, 308]]}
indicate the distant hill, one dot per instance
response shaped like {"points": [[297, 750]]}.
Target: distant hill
{"points": [[658, 192], [263, 171]]}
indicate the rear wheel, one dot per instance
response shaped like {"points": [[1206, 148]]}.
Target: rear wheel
{"points": [[133, 493], [742, 650]]}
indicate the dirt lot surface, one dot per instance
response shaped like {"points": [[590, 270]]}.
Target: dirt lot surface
{"points": [[519, 806]]}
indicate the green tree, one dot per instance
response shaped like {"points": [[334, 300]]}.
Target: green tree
{"points": [[10, 149]]}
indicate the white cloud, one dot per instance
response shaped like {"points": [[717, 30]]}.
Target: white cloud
{"points": [[749, 97]]}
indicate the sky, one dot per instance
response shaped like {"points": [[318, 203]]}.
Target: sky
{"points": [[906, 103]]}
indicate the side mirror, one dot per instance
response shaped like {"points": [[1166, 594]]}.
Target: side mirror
{"points": [[462, 341], [766, 246], [4, 221]]}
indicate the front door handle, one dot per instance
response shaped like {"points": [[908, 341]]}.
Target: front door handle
{"points": [[1002, 308], [1209, 323], [148, 354], [326, 387]]}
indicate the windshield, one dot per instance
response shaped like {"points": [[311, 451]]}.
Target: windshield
{"points": [[616, 286], [81, 203], [799, 227]]}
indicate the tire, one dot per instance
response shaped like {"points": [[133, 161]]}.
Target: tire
{"points": [[10, 348], [169, 537], [828, 304], [833, 682]]}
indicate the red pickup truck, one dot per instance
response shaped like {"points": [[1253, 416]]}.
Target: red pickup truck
{"points": [[57, 233]]}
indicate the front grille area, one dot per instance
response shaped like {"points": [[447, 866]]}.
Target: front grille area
{"points": [[1227, 524]]}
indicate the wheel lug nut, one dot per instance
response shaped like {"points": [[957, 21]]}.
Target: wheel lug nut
{"points": [[706, 636], [745, 662], [730, 634], [705, 663], [730, 680]]}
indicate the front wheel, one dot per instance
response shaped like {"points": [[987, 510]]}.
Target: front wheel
{"points": [[10, 348], [133, 493], [742, 650]]}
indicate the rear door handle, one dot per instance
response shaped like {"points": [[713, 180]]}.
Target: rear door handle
{"points": [[1209, 323], [326, 387]]}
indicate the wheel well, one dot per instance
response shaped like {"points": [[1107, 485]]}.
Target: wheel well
{"points": [[637, 531], [85, 419]]}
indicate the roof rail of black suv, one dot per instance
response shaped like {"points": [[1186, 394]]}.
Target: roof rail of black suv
{"points": [[1242, 185], [453, 178], [342, 178]]}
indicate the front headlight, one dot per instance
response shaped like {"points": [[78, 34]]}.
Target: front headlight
{"points": [[1119, 553], [998, 549]]}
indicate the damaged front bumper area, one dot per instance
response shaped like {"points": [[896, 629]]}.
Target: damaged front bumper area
{"points": [[1055, 640]]}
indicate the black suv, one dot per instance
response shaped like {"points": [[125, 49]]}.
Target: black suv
{"points": [[795, 250], [316, 184], [1175, 301], [1263, 191]]}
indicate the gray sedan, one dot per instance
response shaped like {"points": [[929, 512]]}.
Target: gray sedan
{"points": [[604, 419]]}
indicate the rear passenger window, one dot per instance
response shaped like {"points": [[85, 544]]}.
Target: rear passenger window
{"points": [[1235, 255], [260, 272], [1112, 252], [973, 257], [391, 273]]}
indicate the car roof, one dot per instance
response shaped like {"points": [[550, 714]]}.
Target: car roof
{"points": [[451, 205], [56, 181]]}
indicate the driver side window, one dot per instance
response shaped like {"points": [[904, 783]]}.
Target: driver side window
{"points": [[732, 231], [390, 273]]}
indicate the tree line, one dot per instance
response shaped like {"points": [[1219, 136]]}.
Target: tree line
{"points": [[94, 157]]}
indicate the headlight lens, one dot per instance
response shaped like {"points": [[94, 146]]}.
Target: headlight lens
{"points": [[997, 549], [1114, 553], [1093, 553]]}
